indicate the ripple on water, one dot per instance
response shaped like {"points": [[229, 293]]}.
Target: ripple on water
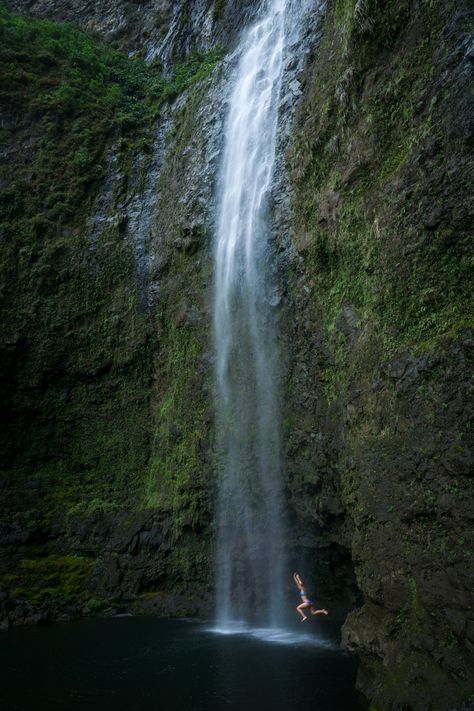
{"points": [[274, 635]]}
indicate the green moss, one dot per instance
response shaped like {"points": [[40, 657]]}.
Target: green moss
{"points": [[192, 70], [176, 472], [390, 116], [93, 381], [406, 676], [343, 15], [218, 9], [395, 159], [52, 579]]}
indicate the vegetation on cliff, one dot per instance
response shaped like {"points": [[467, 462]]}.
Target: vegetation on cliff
{"points": [[382, 170], [82, 414]]}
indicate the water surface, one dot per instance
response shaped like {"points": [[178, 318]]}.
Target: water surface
{"points": [[143, 664]]}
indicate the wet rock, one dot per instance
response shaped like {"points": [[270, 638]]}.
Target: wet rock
{"points": [[349, 323], [457, 621], [328, 208], [160, 30], [295, 87], [303, 241], [433, 219], [169, 605]]}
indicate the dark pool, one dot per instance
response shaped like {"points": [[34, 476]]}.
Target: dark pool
{"points": [[143, 664]]}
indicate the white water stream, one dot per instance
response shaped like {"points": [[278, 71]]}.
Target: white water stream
{"points": [[250, 539]]}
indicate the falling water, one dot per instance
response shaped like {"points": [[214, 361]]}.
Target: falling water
{"points": [[250, 523]]}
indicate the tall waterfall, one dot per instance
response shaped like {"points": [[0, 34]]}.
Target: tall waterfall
{"points": [[250, 556]]}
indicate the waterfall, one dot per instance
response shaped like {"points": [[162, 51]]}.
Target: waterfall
{"points": [[250, 535]]}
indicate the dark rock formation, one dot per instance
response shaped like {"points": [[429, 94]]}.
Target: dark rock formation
{"points": [[380, 438], [107, 482]]}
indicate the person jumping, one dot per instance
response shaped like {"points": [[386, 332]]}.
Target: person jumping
{"points": [[305, 601]]}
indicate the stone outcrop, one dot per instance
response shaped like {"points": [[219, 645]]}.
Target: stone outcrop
{"points": [[163, 30], [380, 442]]}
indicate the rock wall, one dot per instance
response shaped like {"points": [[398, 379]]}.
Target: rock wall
{"points": [[107, 471], [163, 30], [379, 417]]}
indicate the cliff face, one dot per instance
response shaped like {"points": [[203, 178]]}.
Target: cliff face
{"points": [[163, 30], [382, 345], [106, 203], [107, 198]]}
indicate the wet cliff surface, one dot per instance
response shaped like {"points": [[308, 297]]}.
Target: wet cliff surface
{"points": [[106, 356], [381, 302], [155, 29], [107, 196]]}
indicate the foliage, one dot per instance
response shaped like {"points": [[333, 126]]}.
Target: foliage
{"points": [[86, 426], [218, 9], [378, 239], [191, 70], [72, 73], [52, 579], [176, 469]]}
